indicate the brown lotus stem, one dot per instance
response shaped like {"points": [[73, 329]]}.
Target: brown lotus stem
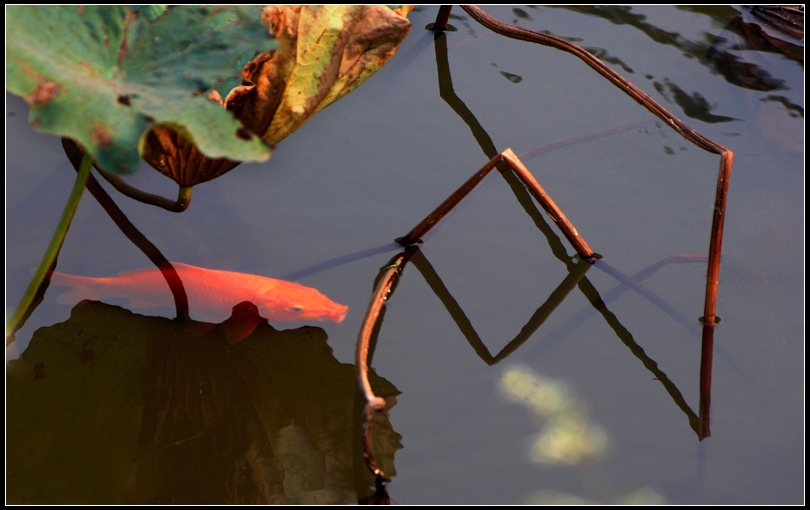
{"points": [[548, 204], [716, 240], [74, 154], [442, 18], [620, 81], [416, 234], [579, 244], [179, 205], [787, 18], [146, 246], [373, 402], [380, 497]]}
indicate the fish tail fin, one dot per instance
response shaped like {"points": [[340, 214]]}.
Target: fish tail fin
{"points": [[75, 295], [81, 288]]}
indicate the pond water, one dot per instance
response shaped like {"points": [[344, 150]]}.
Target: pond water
{"points": [[579, 412]]}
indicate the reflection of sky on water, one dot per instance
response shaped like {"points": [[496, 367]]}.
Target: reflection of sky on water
{"points": [[567, 436]]}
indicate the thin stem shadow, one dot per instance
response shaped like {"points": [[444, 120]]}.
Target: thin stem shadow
{"points": [[465, 326], [586, 313], [557, 296]]}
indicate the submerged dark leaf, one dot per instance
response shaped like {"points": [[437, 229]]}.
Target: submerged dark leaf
{"points": [[113, 407]]}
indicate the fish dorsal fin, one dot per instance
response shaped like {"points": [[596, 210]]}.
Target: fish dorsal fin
{"points": [[132, 273]]}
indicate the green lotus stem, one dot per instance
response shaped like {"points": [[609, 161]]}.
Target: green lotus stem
{"points": [[27, 302]]}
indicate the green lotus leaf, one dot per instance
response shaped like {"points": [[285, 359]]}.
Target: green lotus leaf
{"points": [[105, 75], [150, 11]]}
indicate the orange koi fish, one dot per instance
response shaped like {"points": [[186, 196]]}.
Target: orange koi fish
{"points": [[211, 292]]}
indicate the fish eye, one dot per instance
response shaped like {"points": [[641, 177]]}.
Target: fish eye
{"points": [[297, 308]]}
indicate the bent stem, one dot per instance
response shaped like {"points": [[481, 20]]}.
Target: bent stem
{"points": [[28, 301], [74, 155], [374, 403], [537, 191], [150, 250], [179, 205], [726, 156]]}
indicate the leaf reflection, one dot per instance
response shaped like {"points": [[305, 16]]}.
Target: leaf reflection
{"points": [[114, 407], [722, 54]]}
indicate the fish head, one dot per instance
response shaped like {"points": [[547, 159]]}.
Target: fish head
{"points": [[294, 302]]}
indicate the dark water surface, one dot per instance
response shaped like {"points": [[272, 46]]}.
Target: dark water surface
{"points": [[576, 413]]}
